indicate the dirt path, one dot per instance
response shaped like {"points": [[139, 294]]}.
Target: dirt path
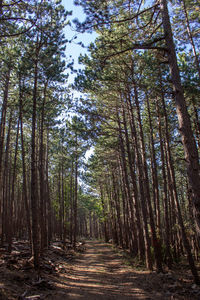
{"points": [[99, 273]]}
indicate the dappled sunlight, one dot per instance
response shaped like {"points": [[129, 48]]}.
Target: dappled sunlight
{"points": [[100, 274]]}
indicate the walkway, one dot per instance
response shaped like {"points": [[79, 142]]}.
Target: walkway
{"points": [[100, 273]]}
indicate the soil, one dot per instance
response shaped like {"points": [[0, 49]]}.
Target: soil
{"points": [[100, 272]]}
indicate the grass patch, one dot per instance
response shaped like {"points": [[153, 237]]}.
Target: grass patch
{"points": [[128, 259]]}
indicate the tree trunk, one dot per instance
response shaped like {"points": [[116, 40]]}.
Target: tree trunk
{"points": [[48, 198], [148, 256], [174, 192], [117, 208], [71, 202], [104, 214], [165, 195], [190, 148], [3, 116], [10, 221], [75, 199], [25, 195], [154, 170], [34, 185], [156, 241], [127, 186], [6, 186], [131, 159], [42, 175]]}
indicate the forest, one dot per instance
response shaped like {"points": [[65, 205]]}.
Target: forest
{"points": [[138, 113]]}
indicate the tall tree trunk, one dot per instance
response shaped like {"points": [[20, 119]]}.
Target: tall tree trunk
{"points": [[42, 175], [131, 159], [48, 198], [174, 190], [60, 202], [2, 135], [126, 183], [148, 257], [190, 148], [3, 116], [104, 214], [156, 241], [165, 195], [25, 192], [10, 221], [75, 197], [71, 202], [125, 207], [154, 170], [117, 208], [63, 202], [6, 186], [34, 184]]}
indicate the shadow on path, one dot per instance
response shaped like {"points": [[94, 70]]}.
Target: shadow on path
{"points": [[101, 274]]}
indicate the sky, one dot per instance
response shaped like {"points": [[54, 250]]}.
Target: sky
{"points": [[73, 49]]}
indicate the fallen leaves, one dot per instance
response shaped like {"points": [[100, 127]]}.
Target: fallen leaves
{"points": [[64, 270], [18, 278]]}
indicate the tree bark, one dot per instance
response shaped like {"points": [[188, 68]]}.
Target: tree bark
{"points": [[156, 241], [165, 194], [25, 192], [190, 148], [6, 187], [134, 135], [174, 192], [75, 197], [34, 183], [43, 241], [3, 115], [10, 220], [154, 171]]}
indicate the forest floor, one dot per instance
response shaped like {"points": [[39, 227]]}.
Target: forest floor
{"points": [[100, 272]]}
